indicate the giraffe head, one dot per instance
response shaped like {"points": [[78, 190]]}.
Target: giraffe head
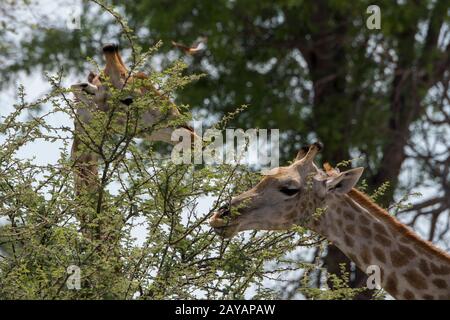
{"points": [[95, 89], [286, 197], [94, 94]]}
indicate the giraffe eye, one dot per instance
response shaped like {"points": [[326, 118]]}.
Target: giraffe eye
{"points": [[289, 191]]}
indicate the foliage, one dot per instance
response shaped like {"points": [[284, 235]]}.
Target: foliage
{"points": [[340, 289], [309, 68], [179, 256]]}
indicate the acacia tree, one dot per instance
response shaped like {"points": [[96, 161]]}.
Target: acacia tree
{"points": [[177, 256]]}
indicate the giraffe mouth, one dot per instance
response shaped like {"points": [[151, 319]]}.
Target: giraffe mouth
{"points": [[222, 224], [217, 221]]}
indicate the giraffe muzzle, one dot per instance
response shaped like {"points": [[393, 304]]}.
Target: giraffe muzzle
{"points": [[220, 218], [224, 211], [223, 223]]}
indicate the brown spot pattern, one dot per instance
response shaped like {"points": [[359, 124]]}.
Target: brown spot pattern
{"points": [[415, 279], [440, 283], [349, 215], [423, 266], [440, 270], [383, 240], [379, 254], [364, 220], [365, 231], [348, 241], [365, 255], [408, 295], [405, 250], [399, 259], [380, 229], [350, 229], [391, 285]]}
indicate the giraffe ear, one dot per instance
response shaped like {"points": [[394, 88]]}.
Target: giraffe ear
{"points": [[344, 181]]}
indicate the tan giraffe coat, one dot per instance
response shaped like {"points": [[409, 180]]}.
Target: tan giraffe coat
{"points": [[411, 268]]}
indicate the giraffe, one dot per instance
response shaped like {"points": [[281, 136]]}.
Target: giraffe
{"points": [[411, 268], [92, 96]]}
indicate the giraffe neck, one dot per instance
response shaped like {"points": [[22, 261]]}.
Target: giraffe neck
{"points": [[410, 268]]}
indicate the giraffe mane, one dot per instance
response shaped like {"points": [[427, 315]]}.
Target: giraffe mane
{"points": [[374, 209]]}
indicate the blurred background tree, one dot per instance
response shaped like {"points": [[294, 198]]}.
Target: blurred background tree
{"points": [[309, 68]]}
